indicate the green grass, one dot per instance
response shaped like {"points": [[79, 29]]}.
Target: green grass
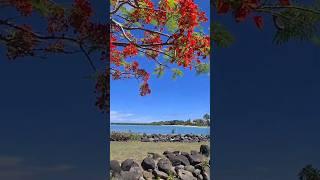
{"points": [[139, 150]]}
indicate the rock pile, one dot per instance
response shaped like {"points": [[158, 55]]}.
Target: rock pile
{"points": [[169, 166], [159, 137]]}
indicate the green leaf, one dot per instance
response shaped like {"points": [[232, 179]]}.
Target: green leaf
{"points": [[137, 24], [124, 11], [203, 68], [172, 23], [176, 73], [295, 25], [154, 22], [159, 71], [41, 6], [171, 3], [222, 38]]}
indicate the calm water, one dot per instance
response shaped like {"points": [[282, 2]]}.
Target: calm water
{"points": [[153, 129]]}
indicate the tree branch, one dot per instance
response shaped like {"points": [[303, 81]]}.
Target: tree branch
{"points": [[290, 7], [148, 30], [88, 57], [118, 7], [76, 41]]}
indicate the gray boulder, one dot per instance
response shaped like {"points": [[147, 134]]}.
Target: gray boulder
{"points": [[148, 163], [176, 168], [127, 164], [115, 167], [197, 172], [185, 154], [189, 168], [147, 175], [160, 174], [127, 175], [136, 170], [165, 165], [195, 159], [185, 175], [178, 159]]}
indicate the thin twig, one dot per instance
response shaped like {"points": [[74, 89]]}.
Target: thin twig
{"points": [[290, 7]]}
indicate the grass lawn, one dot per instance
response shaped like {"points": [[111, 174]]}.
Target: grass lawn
{"points": [[139, 150]]}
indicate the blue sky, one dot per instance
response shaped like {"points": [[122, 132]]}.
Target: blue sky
{"points": [[183, 98]]}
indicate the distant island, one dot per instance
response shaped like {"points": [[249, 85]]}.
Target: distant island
{"points": [[205, 121]]}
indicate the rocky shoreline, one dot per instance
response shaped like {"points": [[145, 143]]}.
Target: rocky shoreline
{"points": [[119, 136], [168, 166]]}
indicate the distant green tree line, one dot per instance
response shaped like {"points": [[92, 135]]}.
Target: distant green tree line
{"points": [[205, 121]]}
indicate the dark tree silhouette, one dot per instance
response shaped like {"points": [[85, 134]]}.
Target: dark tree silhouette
{"points": [[309, 173]]}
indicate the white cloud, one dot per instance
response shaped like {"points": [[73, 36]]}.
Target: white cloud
{"points": [[118, 116]]}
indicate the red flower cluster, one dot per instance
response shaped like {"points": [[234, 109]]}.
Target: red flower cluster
{"points": [[23, 6], [130, 50], [98, 34], [115, 55], [80, 15], [259, 21], [145, 89], [245, 8], [116, 75], [21, 43], [152, 38], [189, 14], [83, 6], [57, 21], [285, 2], [161, 15], [147, 13], [188, 46], [241, 11], [223, 7], [135, 66]]}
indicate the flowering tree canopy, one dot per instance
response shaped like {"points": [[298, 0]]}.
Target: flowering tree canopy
{"points": [[293, 20], [164, 33]]}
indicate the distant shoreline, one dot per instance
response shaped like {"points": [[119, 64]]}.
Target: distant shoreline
{"points": [[150, 124]]}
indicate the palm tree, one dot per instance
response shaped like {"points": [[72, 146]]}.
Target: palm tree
{"points": [[309, 173], [207, 118]]}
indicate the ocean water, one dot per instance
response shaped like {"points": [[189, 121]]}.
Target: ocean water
{"points": [[154, 129]]}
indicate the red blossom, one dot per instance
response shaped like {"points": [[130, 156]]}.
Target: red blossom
{"points": [[258, 21], [80, 14], [57, 21], [223, 7], [23, 6], [130, 50], [242, 13], [21, 43], [135, 66], [284, 2], [145, 89], [252, 3]]}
